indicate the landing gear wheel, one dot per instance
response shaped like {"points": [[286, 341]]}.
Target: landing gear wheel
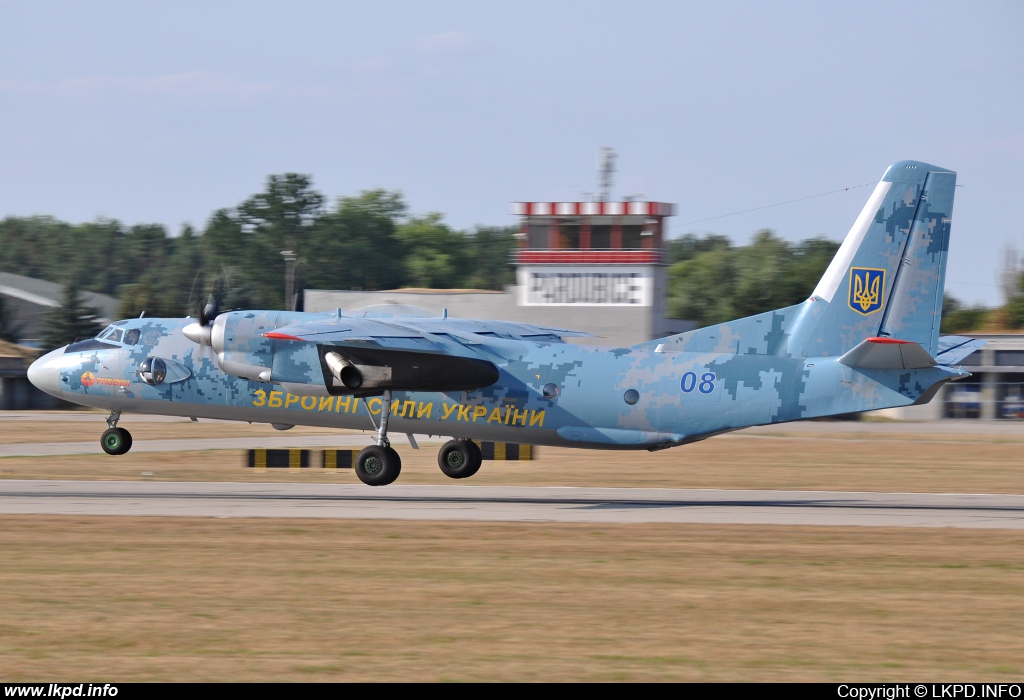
{"points": [[116, 441], [377, 465], [460, 459]]}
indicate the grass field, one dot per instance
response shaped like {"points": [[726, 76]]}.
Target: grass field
{"points": [[125, 599], [101, 599]]}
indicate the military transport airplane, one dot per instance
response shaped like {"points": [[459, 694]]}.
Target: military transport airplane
{"points": [[867, 338]]}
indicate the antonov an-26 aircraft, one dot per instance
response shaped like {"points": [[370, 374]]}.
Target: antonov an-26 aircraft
{"points": [[867, 338]]}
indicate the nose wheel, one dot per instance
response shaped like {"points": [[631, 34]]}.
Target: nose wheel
{"points": [[460, 459], [115, 441]]}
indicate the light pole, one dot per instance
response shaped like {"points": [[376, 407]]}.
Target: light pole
{"points": [[289, 278]]}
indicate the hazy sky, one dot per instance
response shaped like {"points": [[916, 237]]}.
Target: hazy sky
{"points": [[164, 112]]}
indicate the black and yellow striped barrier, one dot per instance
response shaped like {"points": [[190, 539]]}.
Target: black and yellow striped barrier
{"points": [[301, 459], [278, 459], [346, 459], [508, 451], [339, 459]]}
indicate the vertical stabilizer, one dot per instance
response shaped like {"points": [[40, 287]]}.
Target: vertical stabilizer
{"points": [[888, 276]]}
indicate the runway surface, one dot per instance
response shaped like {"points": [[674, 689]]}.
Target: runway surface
{"points": [[507, 503]]}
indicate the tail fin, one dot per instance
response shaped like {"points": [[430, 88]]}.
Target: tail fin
{"points": [[888, 276]]}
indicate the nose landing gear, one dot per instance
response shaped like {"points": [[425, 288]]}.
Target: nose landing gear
{"points": [[115, 441]]}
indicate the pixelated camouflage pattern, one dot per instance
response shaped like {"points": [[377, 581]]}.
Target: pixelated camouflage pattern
{"points": [[770, 368]]}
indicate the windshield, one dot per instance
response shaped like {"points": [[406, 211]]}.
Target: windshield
{"points": [[113, 334]]}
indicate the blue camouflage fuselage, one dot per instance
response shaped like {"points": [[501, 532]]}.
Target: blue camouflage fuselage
{"points": [[680, 396], [867, 338]]}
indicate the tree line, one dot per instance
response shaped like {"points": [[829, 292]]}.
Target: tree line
{"points": [[370, 241], [712, 281]]}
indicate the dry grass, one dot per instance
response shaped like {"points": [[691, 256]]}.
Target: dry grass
{"points": [[189, 599], [199, 599]]}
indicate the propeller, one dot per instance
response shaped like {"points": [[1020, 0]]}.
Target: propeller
{"points": [[201, 332]]}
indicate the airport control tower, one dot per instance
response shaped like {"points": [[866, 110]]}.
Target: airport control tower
{"points": [[590, 253], [603, 254]]}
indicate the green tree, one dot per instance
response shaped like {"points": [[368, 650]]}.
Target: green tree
{"points": [[249, 239], [689, 246], [163, 270], [355, 245], [490, 247], [810, 259], [72, 320], [760, 274], [702, 288], [435, 255], [714, 282], [957, 318]]}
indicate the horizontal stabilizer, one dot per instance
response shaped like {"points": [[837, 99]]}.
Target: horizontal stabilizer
{"points": [[887, 353], [954, 348]]}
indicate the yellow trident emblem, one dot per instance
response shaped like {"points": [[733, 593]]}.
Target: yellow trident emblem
{"points": [[866, 289]]}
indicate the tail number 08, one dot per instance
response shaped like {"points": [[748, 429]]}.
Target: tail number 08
{"points": [[705, 386]]}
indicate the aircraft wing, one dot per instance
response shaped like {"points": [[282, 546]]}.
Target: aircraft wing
{"points": [[367, 355], [360, 333], [417, 334]]}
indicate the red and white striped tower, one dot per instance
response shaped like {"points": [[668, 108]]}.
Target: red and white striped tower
{"points": [[591, 253]]}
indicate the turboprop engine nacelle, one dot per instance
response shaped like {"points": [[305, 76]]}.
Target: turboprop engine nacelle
{"points": [[241, 348], [237, 341]]}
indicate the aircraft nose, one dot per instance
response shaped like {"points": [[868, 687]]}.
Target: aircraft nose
{"points": [[44, 373]]}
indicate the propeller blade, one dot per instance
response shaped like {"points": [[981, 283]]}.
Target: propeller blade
{"points": [[209, 311]]}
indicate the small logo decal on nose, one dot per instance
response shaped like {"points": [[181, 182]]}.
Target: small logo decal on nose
{"points": [[88, 379]]}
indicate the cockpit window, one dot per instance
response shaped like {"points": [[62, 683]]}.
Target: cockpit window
{"points": [[105, 332], [132, 336], [115, 337]]}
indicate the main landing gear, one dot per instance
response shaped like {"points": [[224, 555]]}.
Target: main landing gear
{"points": [[379, 465], [115, 441], [460, 459]]}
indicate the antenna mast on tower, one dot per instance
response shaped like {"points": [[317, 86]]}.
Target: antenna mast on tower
{"points": [[606, 171]]}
